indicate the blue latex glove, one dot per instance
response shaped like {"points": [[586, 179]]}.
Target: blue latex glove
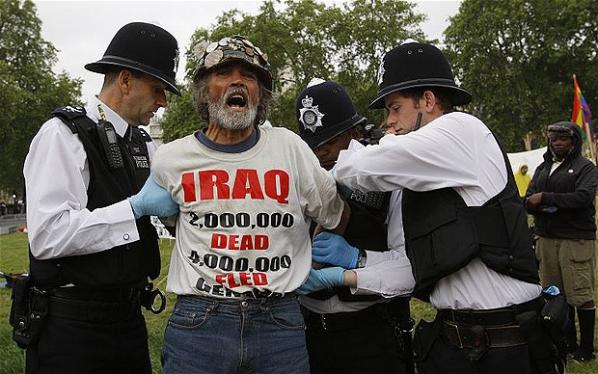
{"points": [[333, 249], [153, 200], [322, 279]]}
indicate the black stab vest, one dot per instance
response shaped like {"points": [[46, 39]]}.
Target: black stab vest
{"points": [[367, 229], [127, 265], [443, 234]]}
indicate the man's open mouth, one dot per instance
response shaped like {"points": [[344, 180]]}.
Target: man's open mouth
{"points": [[236, 100]]}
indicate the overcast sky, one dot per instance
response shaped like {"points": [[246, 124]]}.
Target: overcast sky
{"points": [[81, 30]]}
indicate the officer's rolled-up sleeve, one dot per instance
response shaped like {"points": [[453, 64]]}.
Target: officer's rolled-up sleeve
{"points": [[387, 274]]}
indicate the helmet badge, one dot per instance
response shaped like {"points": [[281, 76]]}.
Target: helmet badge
{"points": [[310, 116]]}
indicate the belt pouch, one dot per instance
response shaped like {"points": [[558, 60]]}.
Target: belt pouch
{"points": [[555, 316], [28, 312], [426, 333], [540, 347]]}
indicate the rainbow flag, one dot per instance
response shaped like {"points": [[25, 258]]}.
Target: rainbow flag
{"points": [[581, 112]]}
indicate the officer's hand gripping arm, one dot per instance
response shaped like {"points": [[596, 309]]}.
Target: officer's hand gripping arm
{"points": [[333, 249]]}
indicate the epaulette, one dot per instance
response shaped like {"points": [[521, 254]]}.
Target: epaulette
{"points": [[144, 135], [68, 114]]}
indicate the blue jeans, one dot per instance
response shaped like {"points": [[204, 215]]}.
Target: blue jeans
{"points": [[209, 335]]}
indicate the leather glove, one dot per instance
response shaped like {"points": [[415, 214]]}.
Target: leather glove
{"points": [[333, 249], [153, 200], [322, 279]]}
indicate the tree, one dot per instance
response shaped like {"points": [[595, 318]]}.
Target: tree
{"points": [[518, 58], [306, 39], [29, 89]]}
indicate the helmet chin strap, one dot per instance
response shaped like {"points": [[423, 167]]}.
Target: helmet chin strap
{"points": [[418, 122]]}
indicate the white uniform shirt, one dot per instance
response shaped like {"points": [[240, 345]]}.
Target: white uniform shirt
{"points": [[56, 178], [243, 224], [456, 150]]}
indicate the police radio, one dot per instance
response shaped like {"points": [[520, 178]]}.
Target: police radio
{"points": [[371, 134], [109, 142]]}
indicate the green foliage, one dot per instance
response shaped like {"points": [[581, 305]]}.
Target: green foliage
{"points": [[30, 90], [180, 118], [518, 58], [306, 39]]}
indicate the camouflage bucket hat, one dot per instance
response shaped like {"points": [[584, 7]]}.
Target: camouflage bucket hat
{"points": [[229, 49]]}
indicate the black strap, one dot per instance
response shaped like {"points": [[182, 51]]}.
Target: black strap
{"points": [[490, 317], [69, 114], [144, 135]]}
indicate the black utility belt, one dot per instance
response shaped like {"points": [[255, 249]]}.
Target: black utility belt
{"points": [[467, 336], [149, 297], [108, 295], [490, 317], [93, 311]]}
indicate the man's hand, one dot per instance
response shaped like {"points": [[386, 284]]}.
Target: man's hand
{"points": [[333, 249], [322, 279], [153, 200], [534, 200]]}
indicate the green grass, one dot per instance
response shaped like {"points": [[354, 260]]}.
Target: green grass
{"points": [[14, 259]]}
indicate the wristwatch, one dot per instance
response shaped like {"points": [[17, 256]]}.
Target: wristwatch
{"points": [[361, 259]]}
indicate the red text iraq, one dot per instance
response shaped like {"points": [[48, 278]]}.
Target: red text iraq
{"points": [[239, 184]]}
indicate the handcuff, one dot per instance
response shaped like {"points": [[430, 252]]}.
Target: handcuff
{"points": [[148, 298]]}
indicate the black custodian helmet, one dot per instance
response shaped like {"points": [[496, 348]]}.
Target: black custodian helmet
{"points": [[229, 49], [143, 47], [413, 65], [324, 111]]}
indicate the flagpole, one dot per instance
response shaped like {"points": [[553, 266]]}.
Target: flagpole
{"points": [[577, 99]]}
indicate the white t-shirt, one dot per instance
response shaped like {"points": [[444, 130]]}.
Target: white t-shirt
{"points": [[243, 225], [455, 150]]}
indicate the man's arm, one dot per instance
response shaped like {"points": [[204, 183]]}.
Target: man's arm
{"points": [[342, 225], [389, 278], [441, 154], [386, 273]]}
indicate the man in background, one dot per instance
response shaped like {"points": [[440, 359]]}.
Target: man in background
{"points": [[561, 198]]}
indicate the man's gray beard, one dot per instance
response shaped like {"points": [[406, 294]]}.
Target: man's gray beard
{"points": [[231, 120]]}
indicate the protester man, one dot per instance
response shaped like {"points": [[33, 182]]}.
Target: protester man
{"points": [[522, 179], [358, 327], [561, 198], [246, 194], [91, 250], [465, 229]]}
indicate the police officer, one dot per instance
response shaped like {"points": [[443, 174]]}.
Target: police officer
{"points": [[465, 229], [353, 330], [91, 249]]}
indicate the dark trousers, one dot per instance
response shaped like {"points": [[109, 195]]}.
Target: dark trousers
{"points": [[356, 342], [77, 344], [437, 351], [447, 359]]}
